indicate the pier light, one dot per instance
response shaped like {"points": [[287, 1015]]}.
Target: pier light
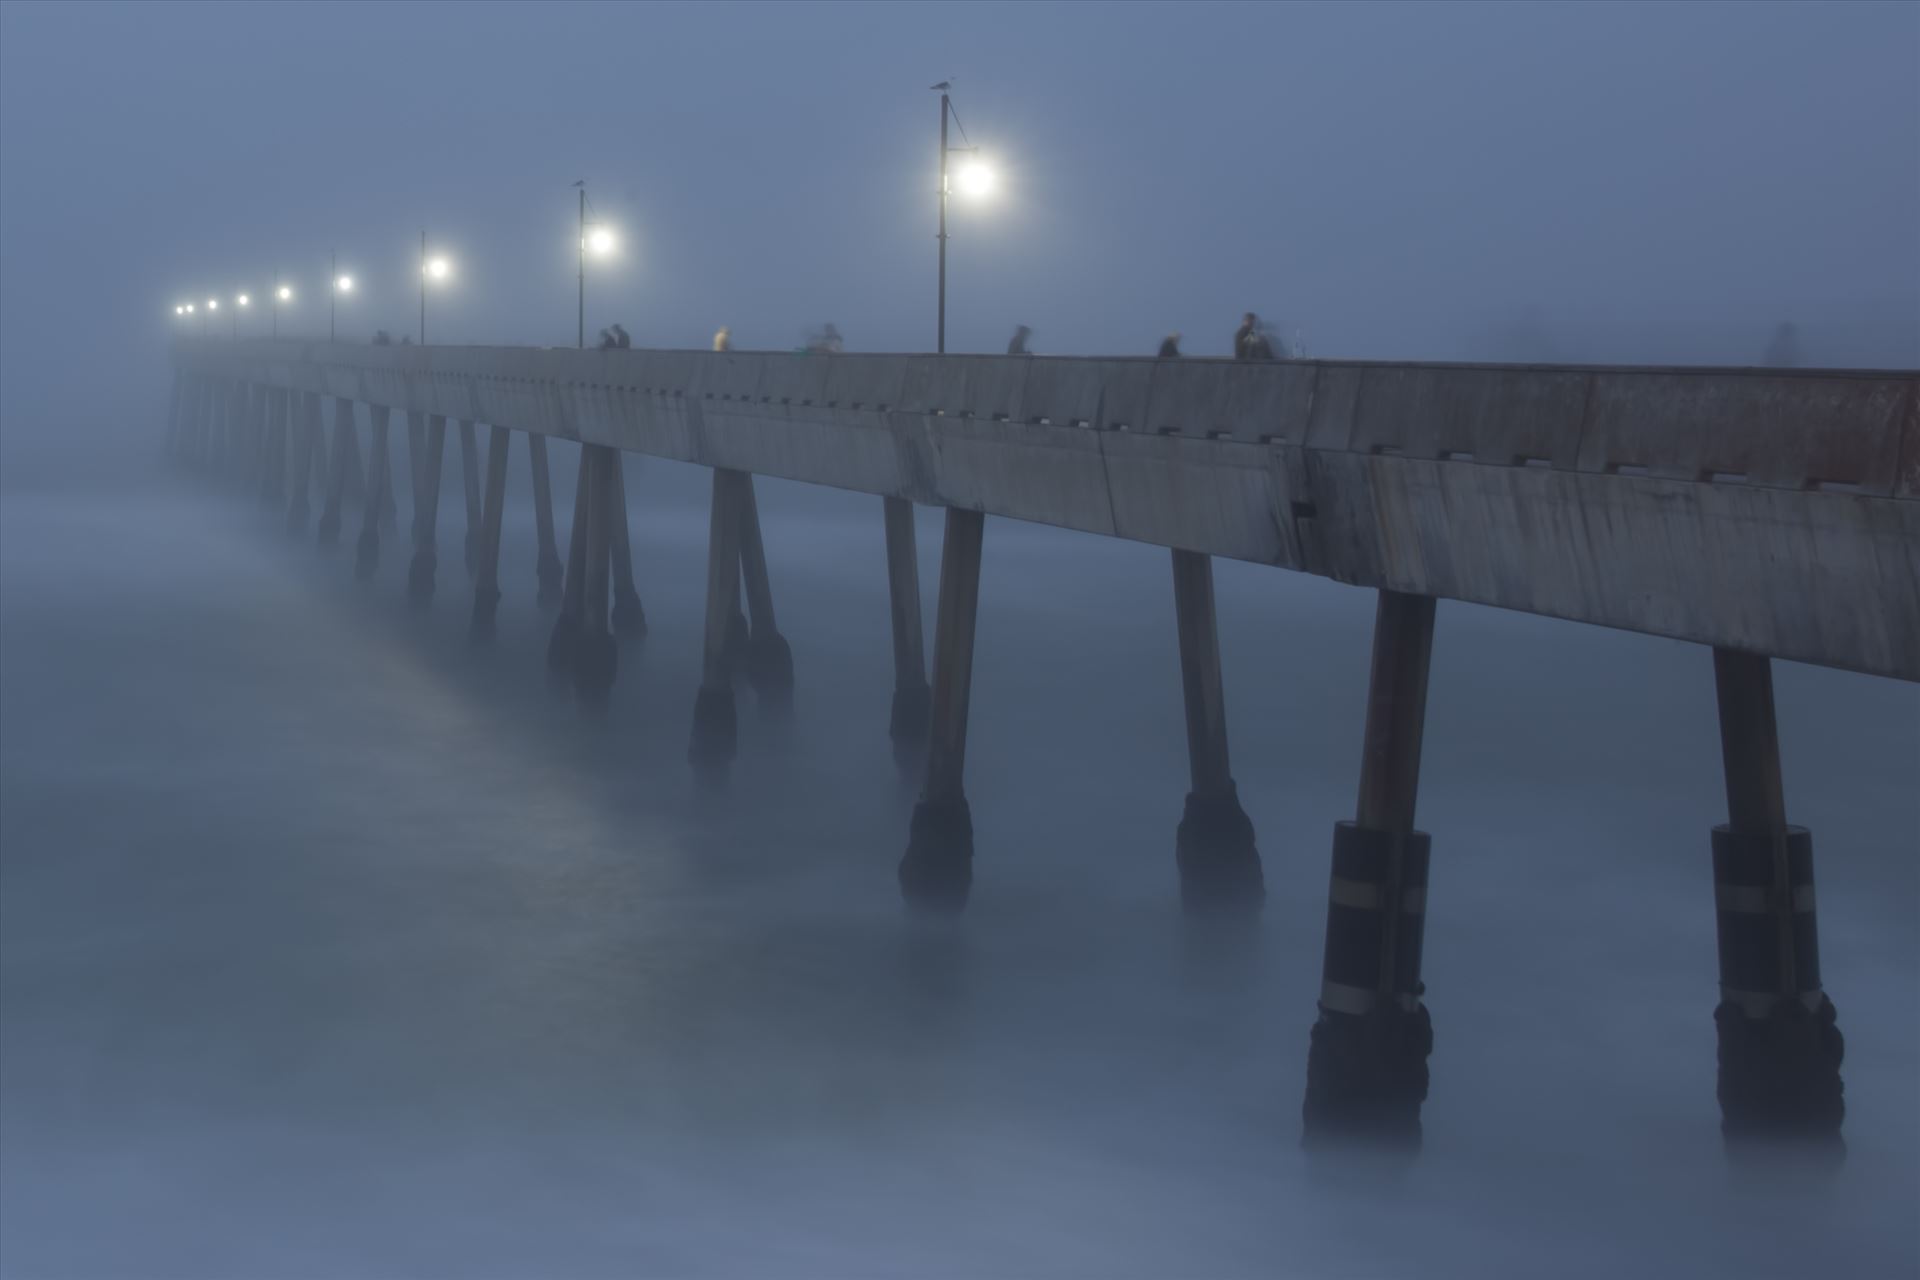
{"points": [[343, 284], [213, 304], [598, 239], [435, 268], [284, 293], [243, 300], [976, 179], [188, 308], [179, 310], [976, 182]]}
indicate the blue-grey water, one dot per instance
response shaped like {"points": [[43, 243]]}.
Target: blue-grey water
{"points": [[333, 946]]}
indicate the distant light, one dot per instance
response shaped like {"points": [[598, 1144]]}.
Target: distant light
{"points": [[213, 304], [438, 268], [179, 310], [344, 284], [976, 179], [600, 240], [243, 300], [285, 294], [189, 308]]}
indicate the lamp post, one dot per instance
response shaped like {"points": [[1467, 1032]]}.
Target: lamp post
{"points": [[340, 284], [434, 268], [213, 305], [281, 293], [601, 241], [240, 303], [976, 180], [582, 184]]}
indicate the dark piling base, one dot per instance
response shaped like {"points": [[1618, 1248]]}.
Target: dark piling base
{"points": [[329, 531], [420, 572], [907, 726], [366, 555], [628, 618], [716, 734], [937, 872], [1367, 1076], [770, 672], [1780, 1075], [1213, 847], [552, 577]]}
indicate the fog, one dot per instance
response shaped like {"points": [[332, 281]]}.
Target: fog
{"points": [[334, 945]]}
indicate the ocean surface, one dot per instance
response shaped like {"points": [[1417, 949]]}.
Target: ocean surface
{"points": [[334, 946]]}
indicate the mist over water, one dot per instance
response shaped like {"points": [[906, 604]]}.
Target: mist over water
{"points": [[331, 945], [334, 946]]}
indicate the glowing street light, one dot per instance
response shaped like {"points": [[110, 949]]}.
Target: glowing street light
{"points": [[243, 300], [436, 268], [341, 284], [976, 182], [597, 239], [281, 293]]}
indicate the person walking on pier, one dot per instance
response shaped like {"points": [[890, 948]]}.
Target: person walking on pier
{"points": [[723, 339], [620, 338], [1243, 336], [1018, 347], [1170, 346], [607, 342]]}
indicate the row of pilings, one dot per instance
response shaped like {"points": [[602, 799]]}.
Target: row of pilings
{"points": [[1779, 1046]]}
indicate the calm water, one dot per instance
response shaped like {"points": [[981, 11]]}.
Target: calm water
{"points": [[331, 946]]}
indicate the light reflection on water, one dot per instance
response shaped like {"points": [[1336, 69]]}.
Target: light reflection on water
{"points": [[333, 946]]}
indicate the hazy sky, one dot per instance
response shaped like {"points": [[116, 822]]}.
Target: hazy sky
{"points": [[1390, 180]]}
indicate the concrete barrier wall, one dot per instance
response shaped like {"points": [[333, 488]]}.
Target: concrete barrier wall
{"points": [[1770, 510]]}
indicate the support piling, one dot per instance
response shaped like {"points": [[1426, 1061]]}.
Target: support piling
{"points": [[715, 724], [912, 697], [1780, 1046], [936, 872], [366, 559], [486, 580], [1367, 1065], [1214, 845], [470, 490], [426, 516], [548, 568], [769, 659]]}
